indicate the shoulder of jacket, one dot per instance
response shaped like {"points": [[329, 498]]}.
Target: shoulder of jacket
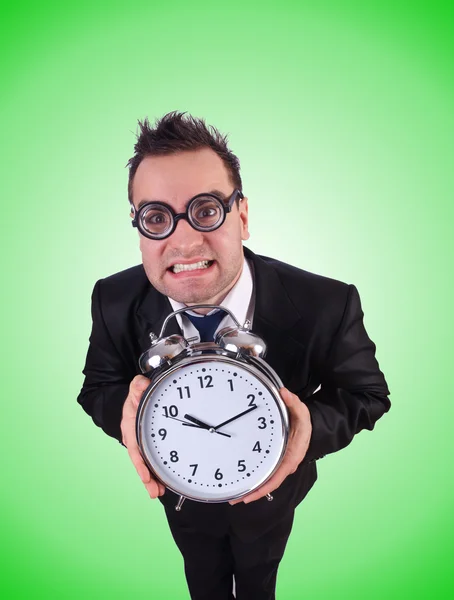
{"points": [[128, 284], [298, 281], [316, 298]]}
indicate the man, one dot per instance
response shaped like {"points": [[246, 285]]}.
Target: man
{"points": [[313, 327]]}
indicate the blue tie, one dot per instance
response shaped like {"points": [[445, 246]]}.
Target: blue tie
{"points": [[207, 325]]}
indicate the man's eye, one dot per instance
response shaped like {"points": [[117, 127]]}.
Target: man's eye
{"points": [[155, 219], [205, 213]]}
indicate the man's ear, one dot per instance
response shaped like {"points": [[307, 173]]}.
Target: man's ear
{"points": [[244, 218]]}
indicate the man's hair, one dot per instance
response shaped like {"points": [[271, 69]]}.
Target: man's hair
{"points": [[179, 132]]}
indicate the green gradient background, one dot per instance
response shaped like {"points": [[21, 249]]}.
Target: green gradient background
{"points": [[342, 114]]}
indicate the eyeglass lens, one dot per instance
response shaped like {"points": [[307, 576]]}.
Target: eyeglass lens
{"points": [[156, 219], [204, 213]]}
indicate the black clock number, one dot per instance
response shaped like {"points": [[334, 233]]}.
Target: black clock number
{"points": [[263, 422], [241, 466], [163, 432], [182, 394], [171, 411], [208, 381], [252, 403], [231, 384], [174, 456], [257, 447], [218, 475], [194, 469]]}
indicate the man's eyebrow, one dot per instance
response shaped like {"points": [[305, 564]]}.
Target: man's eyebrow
{"points": [[142, 202], [215, 192], [221, 195]]}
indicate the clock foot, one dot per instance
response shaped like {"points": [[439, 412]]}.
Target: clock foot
{"points": [[269, 497], [181, 499]]}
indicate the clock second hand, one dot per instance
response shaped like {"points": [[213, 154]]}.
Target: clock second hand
{"points": [[203, 425], [197, 426], [184, 422]]}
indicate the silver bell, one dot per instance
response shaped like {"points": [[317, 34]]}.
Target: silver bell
{"points": [[240, 341], [162, 351]]}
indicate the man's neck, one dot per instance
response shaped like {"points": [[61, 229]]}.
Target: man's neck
{"points": [[217, 300]]}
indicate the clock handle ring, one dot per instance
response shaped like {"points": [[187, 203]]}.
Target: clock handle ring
{"points": [[196, 306]]}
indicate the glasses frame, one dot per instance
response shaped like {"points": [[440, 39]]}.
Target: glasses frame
{"points": [[226, 205]]}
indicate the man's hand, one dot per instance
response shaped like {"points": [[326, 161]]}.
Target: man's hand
{"points": [[128, 430], [298, 443]]}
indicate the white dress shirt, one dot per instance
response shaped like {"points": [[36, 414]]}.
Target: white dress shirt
{"points": [[240, 301]]}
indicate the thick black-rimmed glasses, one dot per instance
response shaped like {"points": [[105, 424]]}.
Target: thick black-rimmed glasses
{"points": [[204, 212]]}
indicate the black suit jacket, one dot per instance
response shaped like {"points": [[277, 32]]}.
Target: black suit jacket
{"points": [[314, 330]]}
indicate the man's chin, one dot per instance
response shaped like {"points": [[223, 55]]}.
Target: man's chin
{"points": [[190, 298], [187, 289]]}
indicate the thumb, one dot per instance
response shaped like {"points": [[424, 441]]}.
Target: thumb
{"points": [[137, 387], [292, 401], [139, 383]]}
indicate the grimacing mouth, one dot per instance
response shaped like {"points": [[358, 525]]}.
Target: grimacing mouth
{"points": [[180, 267]]}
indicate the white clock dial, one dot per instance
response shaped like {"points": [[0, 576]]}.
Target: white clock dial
{"points": [[212, 429]]}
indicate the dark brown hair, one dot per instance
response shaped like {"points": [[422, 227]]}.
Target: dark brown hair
{"points": [[177, 132]]}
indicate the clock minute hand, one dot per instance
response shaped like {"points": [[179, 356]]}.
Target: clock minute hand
{"points": [[234, 418]]}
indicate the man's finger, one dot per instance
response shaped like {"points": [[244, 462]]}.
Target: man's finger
{"points": [[128, 425], [154, 488], [285, 469], [292, 402], [271, 485], [288, 467], [140, 382], [136, 389], [137, 461], [296, 448]]}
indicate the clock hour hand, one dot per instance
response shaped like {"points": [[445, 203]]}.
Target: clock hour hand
{"points": [[234, 418], [203, 425], [197, 422]]}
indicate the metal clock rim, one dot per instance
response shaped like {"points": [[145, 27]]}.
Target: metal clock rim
{"points": [[218, 357]]}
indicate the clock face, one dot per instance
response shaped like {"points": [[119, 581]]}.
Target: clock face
{"points": [[212, 429]]}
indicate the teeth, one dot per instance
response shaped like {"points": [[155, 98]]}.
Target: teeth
{"points": [[203, 264]]}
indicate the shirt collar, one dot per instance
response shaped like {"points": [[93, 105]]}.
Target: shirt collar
{"points": [[240, 301]]}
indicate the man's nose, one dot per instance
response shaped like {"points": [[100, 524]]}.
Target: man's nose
{"points": [[185, 237]]}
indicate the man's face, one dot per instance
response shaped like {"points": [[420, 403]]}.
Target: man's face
{"points": [[175, 179]]}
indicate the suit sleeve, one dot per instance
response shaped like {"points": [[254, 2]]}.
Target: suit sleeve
{"points": [[354, 393], [107, 379]]}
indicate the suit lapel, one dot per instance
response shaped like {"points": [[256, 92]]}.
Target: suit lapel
{"points": [[275, 319], [151, 313]]}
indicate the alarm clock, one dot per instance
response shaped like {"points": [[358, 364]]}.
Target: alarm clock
{"points": [[211, 426]]}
